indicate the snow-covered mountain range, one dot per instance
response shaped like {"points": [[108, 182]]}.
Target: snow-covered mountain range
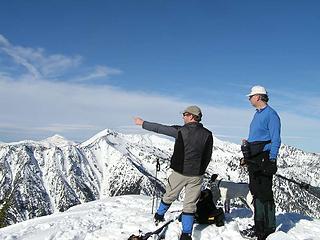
{"points": [[45, 177]]}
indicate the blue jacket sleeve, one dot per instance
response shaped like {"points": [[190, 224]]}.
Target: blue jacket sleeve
{"points": [[274, 129], [171, 131]]}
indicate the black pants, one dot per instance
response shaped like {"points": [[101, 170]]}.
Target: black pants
{"points": [[260, 186], [264, 208]]}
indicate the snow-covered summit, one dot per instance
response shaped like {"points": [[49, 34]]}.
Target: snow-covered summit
{"points": [[119, 217], [57, 140], [97, 136], [140, 139]]}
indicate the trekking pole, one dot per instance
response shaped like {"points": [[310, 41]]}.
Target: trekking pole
{"points": [[155, 232], [302, 184], [315, 191], [155, 184]]}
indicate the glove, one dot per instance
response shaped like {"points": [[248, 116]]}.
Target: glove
{"points": [[269, 166]]}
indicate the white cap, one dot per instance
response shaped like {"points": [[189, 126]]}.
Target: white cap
{"points": [[257, 90]]}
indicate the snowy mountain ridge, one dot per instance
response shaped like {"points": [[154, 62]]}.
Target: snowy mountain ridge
{"points": [[41, 178]]}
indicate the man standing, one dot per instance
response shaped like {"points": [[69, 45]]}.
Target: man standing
{"points": [[191, 156], [260, 152]]}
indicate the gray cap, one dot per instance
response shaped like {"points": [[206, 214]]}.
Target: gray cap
{"points": [[195, 110]]}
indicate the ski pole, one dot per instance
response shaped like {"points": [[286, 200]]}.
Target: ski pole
{"points": [[155, 184], [302, 184], [315, 191], [155, 232]]}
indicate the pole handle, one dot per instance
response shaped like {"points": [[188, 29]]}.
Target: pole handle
{"points": [[158, 165]]}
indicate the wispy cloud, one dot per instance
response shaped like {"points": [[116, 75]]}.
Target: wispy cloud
{"points": [[306, 103], [99, 71], [53, 128], [298, 102], [4, 41], [60, 128], [23, 62], [40, 65]]}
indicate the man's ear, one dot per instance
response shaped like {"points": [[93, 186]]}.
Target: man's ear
{"points": [[195, 117]]}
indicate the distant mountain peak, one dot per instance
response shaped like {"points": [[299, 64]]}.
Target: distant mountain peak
{"points": [[57, 140], [99, 135]]}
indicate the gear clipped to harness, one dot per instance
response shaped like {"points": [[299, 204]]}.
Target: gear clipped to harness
{"points": [[245, 149]]}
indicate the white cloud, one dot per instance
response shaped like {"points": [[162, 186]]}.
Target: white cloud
{"points": [[24, 62], [40, 65], [99, 71], [44, 108], [60, 128], [38, 109], [48, 107]]}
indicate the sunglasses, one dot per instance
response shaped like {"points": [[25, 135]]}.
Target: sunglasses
{"points": [[186, 114]]}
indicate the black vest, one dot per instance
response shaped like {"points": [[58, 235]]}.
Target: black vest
{"points": [[192, 150]]}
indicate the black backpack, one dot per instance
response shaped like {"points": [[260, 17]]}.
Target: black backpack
{"points": [[207, 212]]}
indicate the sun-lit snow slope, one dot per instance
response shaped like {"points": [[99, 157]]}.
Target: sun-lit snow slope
{"points": [[39, 178], [116, 218]]}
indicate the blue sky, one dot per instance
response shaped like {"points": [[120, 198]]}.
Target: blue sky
{"points": [[77, 67]]}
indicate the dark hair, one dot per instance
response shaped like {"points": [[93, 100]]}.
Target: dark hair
{"points": [[264, 97], [197, 118]]}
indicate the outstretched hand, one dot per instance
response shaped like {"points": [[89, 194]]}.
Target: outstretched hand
{"points": [[138, 121]]}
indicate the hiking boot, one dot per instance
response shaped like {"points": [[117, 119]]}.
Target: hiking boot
{"points": [[262, 236], [158, 218], [249, 233], [185, 236]]}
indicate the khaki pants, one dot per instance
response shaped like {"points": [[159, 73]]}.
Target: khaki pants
{"points": [[192, 184]]}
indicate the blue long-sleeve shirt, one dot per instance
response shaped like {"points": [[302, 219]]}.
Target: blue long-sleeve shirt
{"points": [[266, 126]]}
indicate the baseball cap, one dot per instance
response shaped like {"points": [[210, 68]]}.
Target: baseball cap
{"points": [[257, 90], [195, 110]]}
